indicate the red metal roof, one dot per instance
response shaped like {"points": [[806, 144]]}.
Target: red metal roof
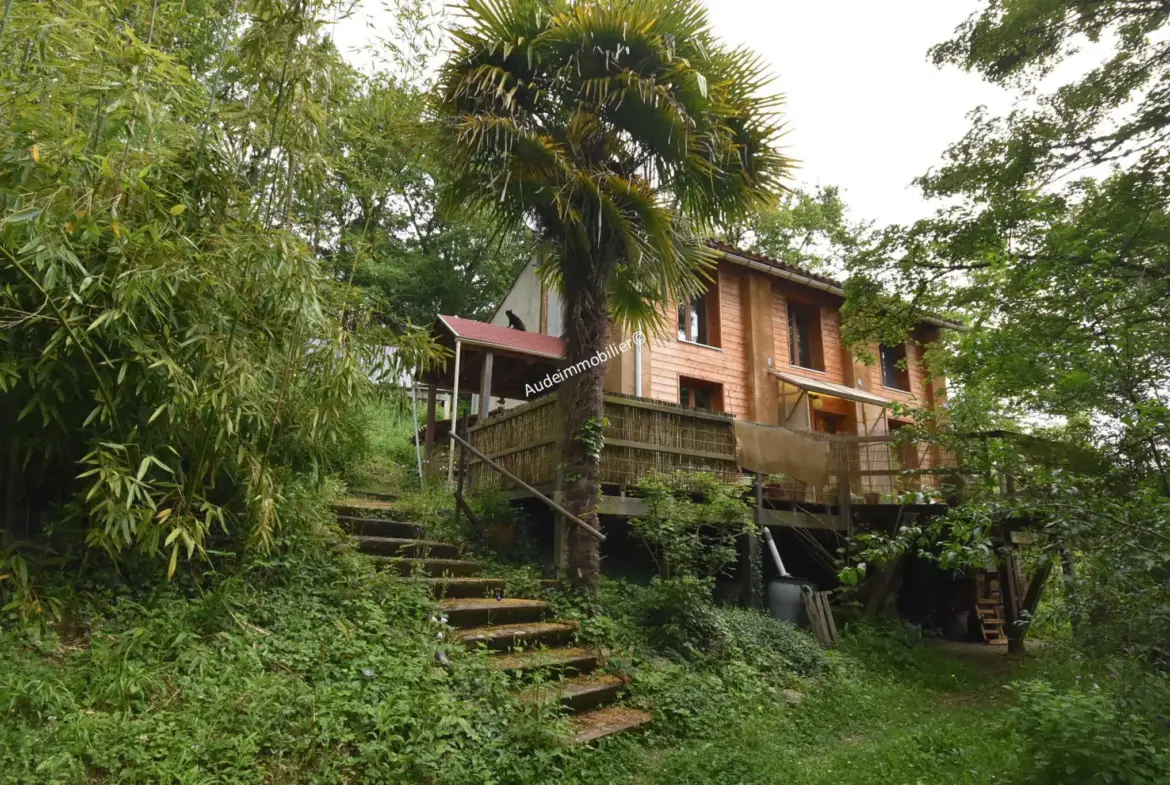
{"points": [[504, 338]]}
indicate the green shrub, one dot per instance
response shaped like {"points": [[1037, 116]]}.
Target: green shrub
{"points": [[1086, 736], [691, 523], [765, 642]]}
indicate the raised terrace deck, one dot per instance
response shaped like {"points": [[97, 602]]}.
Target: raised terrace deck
{"points": [[644, 436]]}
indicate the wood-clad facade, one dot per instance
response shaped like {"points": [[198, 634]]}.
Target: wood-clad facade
{"points": [[753, 320]]}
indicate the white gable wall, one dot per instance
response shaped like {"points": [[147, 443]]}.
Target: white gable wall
{"points": [[524, 300]]}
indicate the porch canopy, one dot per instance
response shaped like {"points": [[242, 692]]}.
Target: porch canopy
{"points": [[491, 360], [819, 387]]}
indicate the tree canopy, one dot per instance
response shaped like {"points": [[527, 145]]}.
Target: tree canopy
{"points": [[1055, 250]]}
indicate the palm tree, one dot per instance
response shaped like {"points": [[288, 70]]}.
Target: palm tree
{"points": [[621, 130]]}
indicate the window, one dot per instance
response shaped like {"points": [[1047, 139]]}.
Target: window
{"points": [[698, 318], [700, 394], [828, 422], [895, 373], [804, 336]]}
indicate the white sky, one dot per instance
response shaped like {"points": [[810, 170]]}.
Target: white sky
{"points": [[865, 109]]}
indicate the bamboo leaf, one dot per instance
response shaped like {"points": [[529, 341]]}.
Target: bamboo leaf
{"points": [[21, 216]]}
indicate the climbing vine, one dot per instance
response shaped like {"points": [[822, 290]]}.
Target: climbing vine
{"points": [[592, 435]]}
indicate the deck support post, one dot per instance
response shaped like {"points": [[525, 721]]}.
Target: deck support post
{"points": [[1010, 600], [454, 410], [432, 402], [749, 564], [561, 526], [844, 492], [485, 387]]}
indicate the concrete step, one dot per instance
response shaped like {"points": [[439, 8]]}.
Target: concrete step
{"points": [[463, 587], [366, 493], [576, 660], [598, 723], [427, 567], [501, 637], [481, 611], [398, 546], [381, 527], [352, 505], [578, 693]]}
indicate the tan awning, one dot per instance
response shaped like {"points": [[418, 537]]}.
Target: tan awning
{"points": [[829, 388], [770, 449]]}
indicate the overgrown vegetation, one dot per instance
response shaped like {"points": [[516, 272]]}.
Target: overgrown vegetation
{"points": [[211, 226], [306, 666]]}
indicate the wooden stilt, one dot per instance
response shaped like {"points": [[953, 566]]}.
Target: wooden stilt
{"points": [[1009, 596], [454, 410], [432, 404]]}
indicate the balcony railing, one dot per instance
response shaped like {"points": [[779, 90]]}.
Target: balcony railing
{"points": [[644, 436]]}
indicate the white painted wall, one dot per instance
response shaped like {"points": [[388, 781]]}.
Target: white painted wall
{"points": [[556, 313], [524, 300]]}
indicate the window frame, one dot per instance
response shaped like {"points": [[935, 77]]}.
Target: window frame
{"points": [[901, 374], [706, 304], [694, 385], [816, 348]]}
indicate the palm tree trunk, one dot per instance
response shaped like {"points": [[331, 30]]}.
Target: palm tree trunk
{"points": [[586, 328]]}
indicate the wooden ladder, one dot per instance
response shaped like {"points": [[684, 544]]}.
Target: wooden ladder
{"points": [[989, 607]]}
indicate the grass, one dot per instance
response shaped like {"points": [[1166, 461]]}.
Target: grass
{"points": [[924, 717], [389, 464]]}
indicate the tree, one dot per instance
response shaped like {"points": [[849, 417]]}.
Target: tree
{"points": [[171, 350], [810, 230], [603, 123], [1056, 251], [380, 225]]}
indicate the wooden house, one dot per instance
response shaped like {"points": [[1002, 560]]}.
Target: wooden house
{"points": [[761, 345], [760, 349]]}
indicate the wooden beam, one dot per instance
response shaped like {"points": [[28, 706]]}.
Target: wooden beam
{"points": [[485, 386], [454, 410], [1010, 600], [756, 301], [432, 404], [651, 447], [678, 411]]}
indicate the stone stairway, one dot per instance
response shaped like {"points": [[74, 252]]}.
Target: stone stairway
{"points": [[517, 631]]}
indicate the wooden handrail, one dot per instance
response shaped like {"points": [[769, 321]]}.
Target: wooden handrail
{"points": [[488, 461]]}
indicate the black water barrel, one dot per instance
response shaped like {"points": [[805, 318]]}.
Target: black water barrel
{"points": [[785, 602]]}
